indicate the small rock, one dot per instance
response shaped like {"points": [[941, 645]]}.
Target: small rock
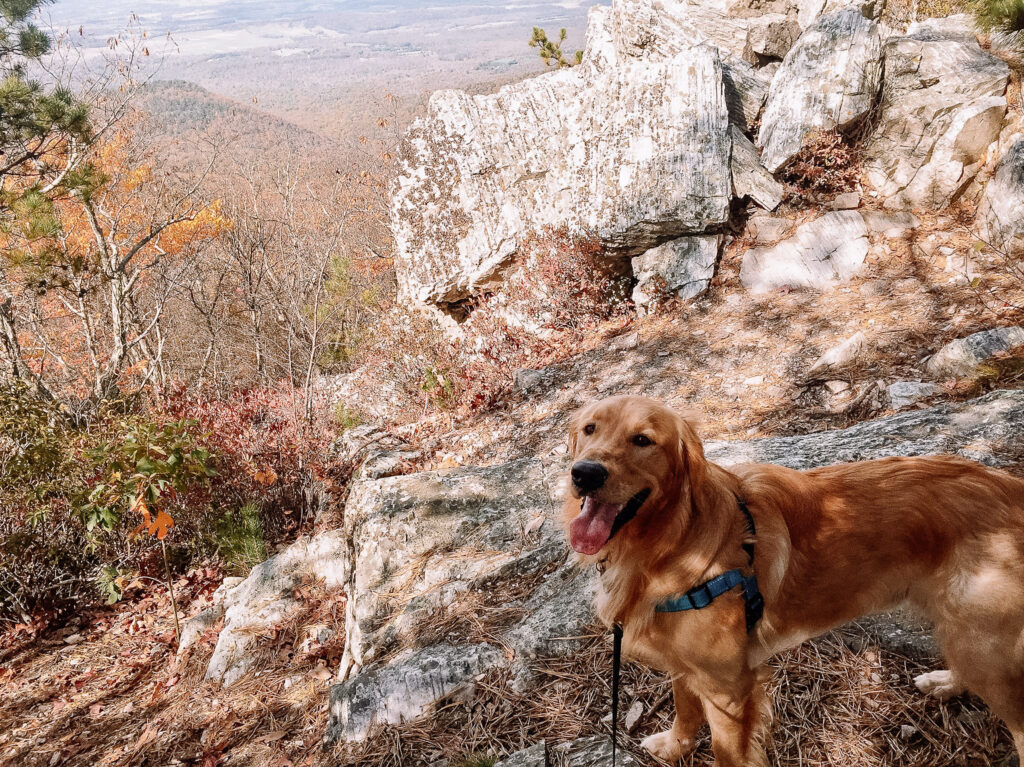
{"points": [[963, 358], [753, 381], [767, 229], [527, 380], [749, 177], [837, 387], [73, 639], [846, 201], [907, 731], [906, 393], [591, 752], [682, 267], [838, 356]]}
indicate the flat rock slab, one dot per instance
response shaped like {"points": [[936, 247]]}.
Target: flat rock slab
{"points": [[632, 151], [906, 393], [404, 688], [989, 430], [589, 752], [683, 268], [749, 177], [828, 80], [534, 756], [943, 102], [964, 357], [1001, 212], [821, 254], [265, 598]]}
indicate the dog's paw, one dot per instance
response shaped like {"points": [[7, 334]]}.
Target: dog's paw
{"points": [[667, 747], [939, 684]]}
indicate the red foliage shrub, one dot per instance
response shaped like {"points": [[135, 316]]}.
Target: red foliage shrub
{"points": [[265, 451]]}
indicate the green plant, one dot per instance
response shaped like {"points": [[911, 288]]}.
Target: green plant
{"points": [[239, 539], [1006, 16], [551, 51], [346, 417]]}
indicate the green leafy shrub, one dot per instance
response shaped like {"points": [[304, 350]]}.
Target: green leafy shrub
{"points": [[1006, 16]]}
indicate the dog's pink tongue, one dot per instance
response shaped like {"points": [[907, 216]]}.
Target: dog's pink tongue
{"points": [[592, 528]]}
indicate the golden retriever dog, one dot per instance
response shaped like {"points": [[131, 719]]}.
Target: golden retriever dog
{"points": [[940, 533]]}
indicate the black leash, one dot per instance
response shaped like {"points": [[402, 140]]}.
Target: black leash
{"points": [[616, 664]]}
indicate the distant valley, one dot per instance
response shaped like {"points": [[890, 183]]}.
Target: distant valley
{"points": [[326, 65]]}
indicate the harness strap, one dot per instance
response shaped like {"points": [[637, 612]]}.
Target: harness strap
{"points": [[616, 665]]}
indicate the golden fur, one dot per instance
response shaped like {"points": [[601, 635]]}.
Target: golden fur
{"points": [[941, 533]]}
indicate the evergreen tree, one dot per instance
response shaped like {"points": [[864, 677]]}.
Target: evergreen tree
{"points": [[42, 126], [551, 51]]}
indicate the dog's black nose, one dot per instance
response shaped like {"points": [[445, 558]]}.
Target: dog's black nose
{"points": [[588, 475]]}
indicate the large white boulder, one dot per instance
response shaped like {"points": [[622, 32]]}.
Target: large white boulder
{"points": [[631, 150], [943, 103], [828, 80]]}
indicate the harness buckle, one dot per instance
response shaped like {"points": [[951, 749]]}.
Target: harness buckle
{"points": [[701, 596]]}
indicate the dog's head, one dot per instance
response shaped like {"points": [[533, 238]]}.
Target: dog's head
{"points": [[632, 457]]}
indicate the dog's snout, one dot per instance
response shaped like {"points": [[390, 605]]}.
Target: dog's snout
{"points": [[588, 476]]}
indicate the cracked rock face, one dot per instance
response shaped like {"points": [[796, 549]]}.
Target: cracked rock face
{"points": [[632, 150], [1001, 212], [822, 254], [828, 80], [943, 103]]}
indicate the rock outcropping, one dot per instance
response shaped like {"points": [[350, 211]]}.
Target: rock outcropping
{"points": [[1001, 212], [633, 150], [828, 80], [943, 102], [426, 546]]}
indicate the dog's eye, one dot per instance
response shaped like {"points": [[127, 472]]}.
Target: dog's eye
{"points": [[589, 429], [642, 440]]}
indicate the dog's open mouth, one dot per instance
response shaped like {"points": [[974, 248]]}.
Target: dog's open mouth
{"points": [[597, 522]]}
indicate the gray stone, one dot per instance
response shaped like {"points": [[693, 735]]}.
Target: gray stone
{"points": [[590, 752], [943, 101], [534, 756], [906, 393], [1001, 212], [404, 533], [890, 225], [828, 80], [682, 267], [526, 380], [403, 689], [768, 229], [846, 201], [988, 429], [749, 177], [265, 598], [963, 358], [838, 357], [630, 150], [770, 36], [822, 254]]}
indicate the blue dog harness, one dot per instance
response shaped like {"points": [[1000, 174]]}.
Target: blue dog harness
{"points": [[704, 594]]}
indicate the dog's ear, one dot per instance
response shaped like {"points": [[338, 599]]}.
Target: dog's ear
{"points": [[691, 458]]}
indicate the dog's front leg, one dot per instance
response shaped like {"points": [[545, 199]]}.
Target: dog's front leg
{"points": [[735, 712], [675, 743]]}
